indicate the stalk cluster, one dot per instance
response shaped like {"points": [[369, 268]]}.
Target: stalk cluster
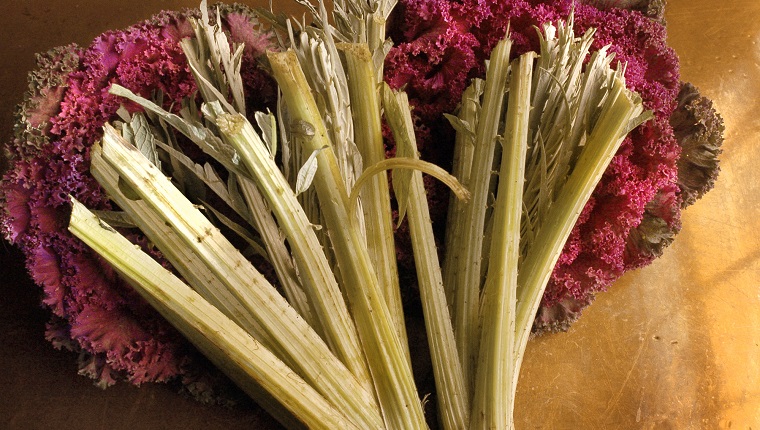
{"points": [[307, 190]]}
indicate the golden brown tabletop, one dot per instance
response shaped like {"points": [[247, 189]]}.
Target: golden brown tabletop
{"points": [[675, 345]]}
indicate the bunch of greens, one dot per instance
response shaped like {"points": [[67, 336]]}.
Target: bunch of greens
{"points": [[352, 367], [267, 239]]}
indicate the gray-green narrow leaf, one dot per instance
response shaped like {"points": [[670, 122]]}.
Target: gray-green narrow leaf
{"points": [[268, 125], [308, 171]]}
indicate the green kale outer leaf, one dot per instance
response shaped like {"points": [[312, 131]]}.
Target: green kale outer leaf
{"points": [[698, 127]]}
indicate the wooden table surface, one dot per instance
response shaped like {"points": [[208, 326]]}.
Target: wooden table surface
{"points": [[675, 345]]}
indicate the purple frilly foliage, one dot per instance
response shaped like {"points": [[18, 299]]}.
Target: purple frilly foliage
{"points": [[635, 211], [117, 334]]}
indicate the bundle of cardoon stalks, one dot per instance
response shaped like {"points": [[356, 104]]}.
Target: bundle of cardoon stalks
{"points": [[268, 238]]}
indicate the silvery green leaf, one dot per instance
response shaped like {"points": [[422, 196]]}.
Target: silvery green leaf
{"points": [[124, 114], [209, 90], [461, 126], [142, 137], [177, 171], [239, 230], [307, 172], [395, 104], [118, 219], [208, 175], [268, 125], [193, 131], [321, 62], [236, 199], [235, 79], [213, 109], [190, 127], [223, 66], [288, 148]]}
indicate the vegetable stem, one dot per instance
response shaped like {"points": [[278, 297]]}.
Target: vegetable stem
{"points": [[466, 119], [293, 339], [317, 277], [188, 264], [409, 163], [449, 378], [621, 108], [493, 401], [390, 370], [314, 269], [469, 281], [247, 362], [274, 240], [376, 200]]}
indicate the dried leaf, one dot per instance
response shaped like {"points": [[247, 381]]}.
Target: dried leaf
{"points": [[139, 133], [308, 171], [396, 105], [461, 126], [239, 230], [302, 129], [117, 219], [268, 125], [208, 176], [190, 127]]}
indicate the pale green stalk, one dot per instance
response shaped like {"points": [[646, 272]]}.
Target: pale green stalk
{"points": [[570, 88], [279, 256], [313, 268], [464, 144], [379, 45], [375, 197], [315, 47], [451, 390], [300, 343], [390, 370], [620, 110], [217, 74], [245, 360], [181, 257], [322, 67], [315, 273], [493, 401], [468, 284]]}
